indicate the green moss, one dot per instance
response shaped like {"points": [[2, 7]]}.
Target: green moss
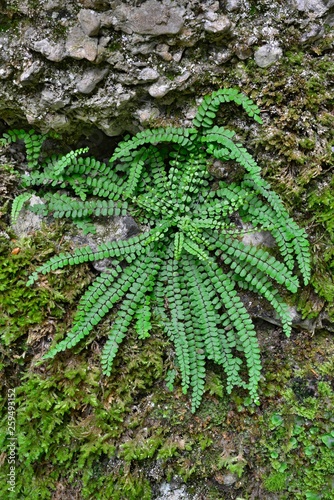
{"points": [[275, 482]]}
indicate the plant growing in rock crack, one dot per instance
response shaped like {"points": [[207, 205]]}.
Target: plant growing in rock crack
{"points": [[190, 263]]}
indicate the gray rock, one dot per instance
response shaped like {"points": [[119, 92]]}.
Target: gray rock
{"points": [[150, 18], [111, 229], [30, 73], [80, 46], [174, 491], [267, 55], [90, 79], [229, 479], [161, 88], [28, 222], [146, 114], [144, 45], [89, 21], [232, 5], [330, 19], [53, 99], [315, 33], [256, 238], [5, 72], [218, 28], [52, 51], [318, 7], [148, 75]]}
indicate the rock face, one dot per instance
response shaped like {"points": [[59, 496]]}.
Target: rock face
{"points": [[78, 66]]}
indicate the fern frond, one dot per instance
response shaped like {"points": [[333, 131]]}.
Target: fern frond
{"points": [[259, 283], [65, 161], [238, 316], [168, 288], [234, 151], [299, 241], [137, 165], [33, 143], [207, 111], [181, 136], [119, 249], [143, 323], [143, 282], [194, 249], [17, 205], [253, 256], [106, 186], [61, 205]]}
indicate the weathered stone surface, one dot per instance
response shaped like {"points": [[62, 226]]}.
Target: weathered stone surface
{"points": [[111, 229], [148, 75], [80, 46], [90, 79], [52, 51], [318, 7], [267, 55], [89, 21], [218, 28], [233, 5], [28, 222], [150, 18], [30, 72], [99, 60]]}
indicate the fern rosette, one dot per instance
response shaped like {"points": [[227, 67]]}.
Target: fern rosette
{"points": [[188, 268]]}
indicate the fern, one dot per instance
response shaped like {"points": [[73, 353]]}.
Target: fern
{"points": [[187, 268], [17, 206]]}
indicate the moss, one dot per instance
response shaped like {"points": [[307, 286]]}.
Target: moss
{"points": [[275, 482]]}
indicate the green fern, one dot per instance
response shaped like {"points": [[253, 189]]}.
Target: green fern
{"points": [[188, 267], [17, 206]]}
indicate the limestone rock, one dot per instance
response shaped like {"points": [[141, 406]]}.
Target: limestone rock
{"points": [[148, 75], [267, 55], [160, 89], [318, 7], [30, 72], [90, 79], [51, 50], [28, 222], [218, 28], [150, 18], [80, 46], [111, 229], [89, 22]]}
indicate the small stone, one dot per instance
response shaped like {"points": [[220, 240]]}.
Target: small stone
{"points": [[267, 55], [28, 222], [229, 479], [319, 7], [150, 18], [218, 28], [313, 34], [52, 51], [159, 89], [242, 51], [56, 121], [146, 114], [30, 72], [90, 79], [80, 46], [183, 78], [148, 75], [232, 5], [53, 100], [222, 56], [5, 72], [89, 22]]}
